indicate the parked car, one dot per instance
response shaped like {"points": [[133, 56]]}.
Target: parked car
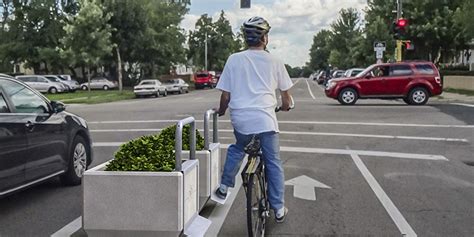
{"points": [[150, 87], [66, 77], [56, 79], [321, 77], [414, 82], [353, 72], [42, 84], [204, 79], [99, 83], [177, 85], [72, 84], [338, 73], [39, 140]]}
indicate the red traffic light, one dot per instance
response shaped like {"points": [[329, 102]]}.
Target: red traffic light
{"points": [[402, 22]]}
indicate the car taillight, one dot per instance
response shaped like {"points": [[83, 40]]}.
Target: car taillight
{"points": [[438, 80]]}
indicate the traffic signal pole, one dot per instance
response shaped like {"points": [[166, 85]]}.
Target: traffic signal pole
{"points": [[398, 50]]}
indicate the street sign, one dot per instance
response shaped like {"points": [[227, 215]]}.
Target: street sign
{"points": [[379, 46], [379, 54]]}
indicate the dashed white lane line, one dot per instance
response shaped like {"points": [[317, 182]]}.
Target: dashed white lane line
{"points": [[69, 229], [397, 217], [309, 89], [467, 105], [325, 151], [303, 122], [302, 133]]}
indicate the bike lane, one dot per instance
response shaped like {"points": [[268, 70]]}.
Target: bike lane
{"points": [[344, 203]]}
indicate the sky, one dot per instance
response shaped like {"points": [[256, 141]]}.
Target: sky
{"points": [[294, 22]]}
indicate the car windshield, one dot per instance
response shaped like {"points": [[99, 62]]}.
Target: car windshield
{"points": [[172, 81], [147, 83], [202, 75]]}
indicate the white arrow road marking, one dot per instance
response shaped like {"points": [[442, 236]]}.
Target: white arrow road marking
{"points": [[303, 187]]}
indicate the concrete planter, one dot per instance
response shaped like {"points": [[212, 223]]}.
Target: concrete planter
{"points": [[140, 201], [145, 203], [209, 171]]}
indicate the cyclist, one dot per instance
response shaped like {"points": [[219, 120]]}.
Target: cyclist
{"points": [[248, 83]]}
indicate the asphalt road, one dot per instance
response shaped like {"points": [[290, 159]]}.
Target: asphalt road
{"points": [[388, 169]]}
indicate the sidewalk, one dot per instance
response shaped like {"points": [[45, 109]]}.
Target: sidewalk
{"points": [[453, 97]]}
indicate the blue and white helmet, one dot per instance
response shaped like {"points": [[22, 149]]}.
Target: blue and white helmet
{"points": [[254, 29]]}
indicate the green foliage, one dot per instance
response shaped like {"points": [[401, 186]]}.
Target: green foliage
{"points": [[221, 42], [463, 17], [153, 152], [90, 26]]}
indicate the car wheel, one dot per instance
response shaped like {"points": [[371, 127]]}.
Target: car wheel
{"points": [[418, 96], [406, 100], [105, 87], [53, 90], [347, 96], [180, 90], [187, 90], [84, 88], [165, 93], [77, 163]]}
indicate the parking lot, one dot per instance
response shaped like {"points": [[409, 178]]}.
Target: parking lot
{"points": [[378, 168]]}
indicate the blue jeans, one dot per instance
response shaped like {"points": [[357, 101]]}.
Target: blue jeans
{"points": [[269, 142]]}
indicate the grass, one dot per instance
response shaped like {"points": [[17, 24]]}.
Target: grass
{"points": [[459, 91], [94, 97]]}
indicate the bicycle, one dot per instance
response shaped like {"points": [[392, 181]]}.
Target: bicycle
{"points": [[255, 186]]}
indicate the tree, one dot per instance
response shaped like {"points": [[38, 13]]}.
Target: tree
{"points": [[463, 17], [345, 32], [320, 50], [221, 42], [88, 36]]}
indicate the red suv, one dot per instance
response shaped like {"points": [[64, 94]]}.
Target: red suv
{"points": [[414, 82], [204, 79]]}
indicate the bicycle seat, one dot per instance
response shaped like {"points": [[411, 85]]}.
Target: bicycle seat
{"points": [[253, 148]]}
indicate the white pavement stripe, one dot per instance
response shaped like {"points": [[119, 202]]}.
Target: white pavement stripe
{"points": [[69, 229], [302, 133], [301, 122], [324, 151], [397, 217], [468, 105], [309, 89], [219, 213]]}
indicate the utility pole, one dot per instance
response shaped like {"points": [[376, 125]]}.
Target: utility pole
{"points": [[398, 50], [205, 51]]}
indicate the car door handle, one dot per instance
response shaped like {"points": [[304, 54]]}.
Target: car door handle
{"points": [[29, 126]]}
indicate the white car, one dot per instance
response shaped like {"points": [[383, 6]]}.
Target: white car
{"points": [[99, 83], [353, 72], [42, 84], [177, 85], [72, 84], [150, 87]]}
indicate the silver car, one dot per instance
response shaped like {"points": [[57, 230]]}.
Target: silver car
{"points": [[99, 83], [353, 72], [177, 85], [42, 84], [150, 87], [72, 85]]}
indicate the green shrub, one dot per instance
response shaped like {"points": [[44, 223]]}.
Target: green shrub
{"points": [[152, 152], [456, 73]]}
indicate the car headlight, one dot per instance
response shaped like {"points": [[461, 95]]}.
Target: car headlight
{"points": [[331, 85]]}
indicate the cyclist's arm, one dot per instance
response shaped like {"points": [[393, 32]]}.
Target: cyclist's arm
{"points": [[285, 100], [224, 103]]}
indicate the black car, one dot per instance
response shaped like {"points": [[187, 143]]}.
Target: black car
{"points": [[39, 139]]}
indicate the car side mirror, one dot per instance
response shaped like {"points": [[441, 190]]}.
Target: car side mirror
{"points": [[58, 106]]}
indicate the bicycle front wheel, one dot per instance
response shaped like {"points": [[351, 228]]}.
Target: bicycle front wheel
{"points": [[256, 205]]}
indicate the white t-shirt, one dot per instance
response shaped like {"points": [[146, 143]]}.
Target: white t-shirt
{"points": [[251, 77]]}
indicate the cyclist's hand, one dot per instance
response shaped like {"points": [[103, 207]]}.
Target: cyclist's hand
{"points": [[219, 112]]}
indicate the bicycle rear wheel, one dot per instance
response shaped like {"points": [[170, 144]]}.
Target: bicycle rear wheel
{"points": [[256, 205]]}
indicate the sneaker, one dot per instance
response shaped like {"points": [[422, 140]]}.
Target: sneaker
{"points": [[281, 214], [220, 194]]}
